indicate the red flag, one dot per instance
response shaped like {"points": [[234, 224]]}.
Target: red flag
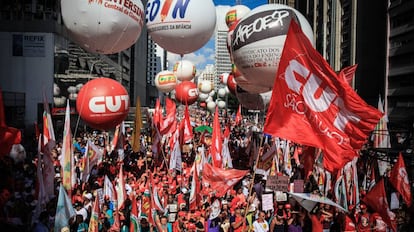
{"points": [[399, 179], [239, 117], [8, 135], [134, 223], [310, 105], [157, 117], [187, 128], [377, 200], [169, 124], [195, 198], [221, 179], [155, 198], [216, 144], [94, 221], [120, 188], [348, 73]]}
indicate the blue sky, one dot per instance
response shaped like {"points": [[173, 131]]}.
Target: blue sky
{"points": [[205, 55]]}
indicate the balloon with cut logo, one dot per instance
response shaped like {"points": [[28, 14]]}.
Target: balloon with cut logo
{"points": [[186, 92], [258, 39], [104, 27], [184, 70], [165, 81], [179, 26], [103, 103]]}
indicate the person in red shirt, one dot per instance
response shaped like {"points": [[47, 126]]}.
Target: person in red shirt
{"points": [[349, 220], [237, 222], [364, 219], [317, 220]]}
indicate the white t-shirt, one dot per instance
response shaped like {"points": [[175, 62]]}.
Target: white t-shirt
{"points": [[260, 226]]}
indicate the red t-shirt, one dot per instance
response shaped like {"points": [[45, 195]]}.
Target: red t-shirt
{"points": [[317, 225]]}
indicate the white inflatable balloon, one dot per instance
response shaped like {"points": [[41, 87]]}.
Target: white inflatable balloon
{"points": [[79, 87], [73, 96], [203, 96], [253, 101], [165, 81], [258, 39], [211, 105], [221, 92], [205, 86], [104, 27], [235, 13], [209, 99], [221, 104], [59, 101], [56, 90], [181, 26], [184, 70], [72, 89], [249, 87], [212, 93]]}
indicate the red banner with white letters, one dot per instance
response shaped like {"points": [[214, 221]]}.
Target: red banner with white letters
{"points": [[311, 105]]}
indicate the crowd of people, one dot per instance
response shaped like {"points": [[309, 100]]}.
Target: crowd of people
{"points": [[239, 210]]}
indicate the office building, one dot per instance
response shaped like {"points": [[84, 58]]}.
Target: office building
{"points": [[38, 57]]}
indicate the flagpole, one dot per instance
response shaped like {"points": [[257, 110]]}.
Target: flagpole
{"points": [[254, 174]]}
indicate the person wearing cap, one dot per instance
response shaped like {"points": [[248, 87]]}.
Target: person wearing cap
{"points": [[260, 224]]}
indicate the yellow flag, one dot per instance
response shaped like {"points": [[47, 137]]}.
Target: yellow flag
{"points": [[136, 136]]}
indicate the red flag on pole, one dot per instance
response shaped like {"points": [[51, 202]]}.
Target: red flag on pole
{"points": [[169, 124], [157, 117], [120, 188], [221, 179], [377, 200], [134, 223], [311, 105], [239, 117], [216, 144], [195, 198], [399, 179], [186, 130]]}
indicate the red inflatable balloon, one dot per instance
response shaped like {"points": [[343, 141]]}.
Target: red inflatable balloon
{"points": [[186, 92], [103, 103], [203, 104]]}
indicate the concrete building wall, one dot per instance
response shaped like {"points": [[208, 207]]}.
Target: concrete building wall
{"points": [[27, 66]]}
